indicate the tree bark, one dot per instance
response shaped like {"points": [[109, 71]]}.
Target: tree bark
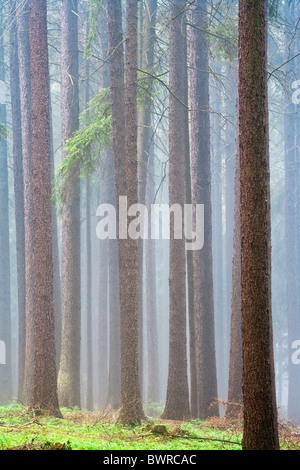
{"points": [[131, 410], [177, 402], [18, 190], [260, 413], [201, 177], [5, 307], [45, 383]]}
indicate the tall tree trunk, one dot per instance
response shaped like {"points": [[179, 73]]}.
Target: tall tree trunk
{"points": [[260, 414], [217, 239], [131, 410], [189, 255], [5, 308], [18, 190], [116, 69], [201, 177], [147, 40], [177, 402], [153, 387], [88, 244], [103, 317], [69, 371], [25, 93], [45, 383], [114, 374], [89, 318], [231, 73]]}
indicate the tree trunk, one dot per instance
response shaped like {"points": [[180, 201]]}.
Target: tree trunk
{"points": [[201, 177], [25, 92], [5, 309], [45, 383], [146, 55], [18, 191], [153, 387], [69, 371], [177, 402], [235, 395], [114, 375], [131, 410], [260, 414]]}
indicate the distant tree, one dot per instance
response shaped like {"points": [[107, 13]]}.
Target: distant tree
{"points": [[260, 413], [235, 396], [45, 380], [18, 187], [5, 307]]}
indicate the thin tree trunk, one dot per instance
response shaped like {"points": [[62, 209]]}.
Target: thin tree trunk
{"points": [[230, 130], [260, 413], [235, 395], [103, 319], [153, 388], [144, 138], [217, 232], [18, 191], [201, 177], [114, 375], [89, 336], [5, 307]]}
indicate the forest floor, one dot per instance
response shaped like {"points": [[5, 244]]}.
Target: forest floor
{"points": [[83, 430]]}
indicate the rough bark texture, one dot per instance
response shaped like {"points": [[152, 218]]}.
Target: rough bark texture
{"points": [[69, 371], [18, 190], [131, 410], [5, 310], [260, 414], [201, 178], [25, 90], [177, 401], [45, 383], [116, 69]]}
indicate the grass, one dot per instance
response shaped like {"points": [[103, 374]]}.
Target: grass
{"points": [[83, 430]]}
